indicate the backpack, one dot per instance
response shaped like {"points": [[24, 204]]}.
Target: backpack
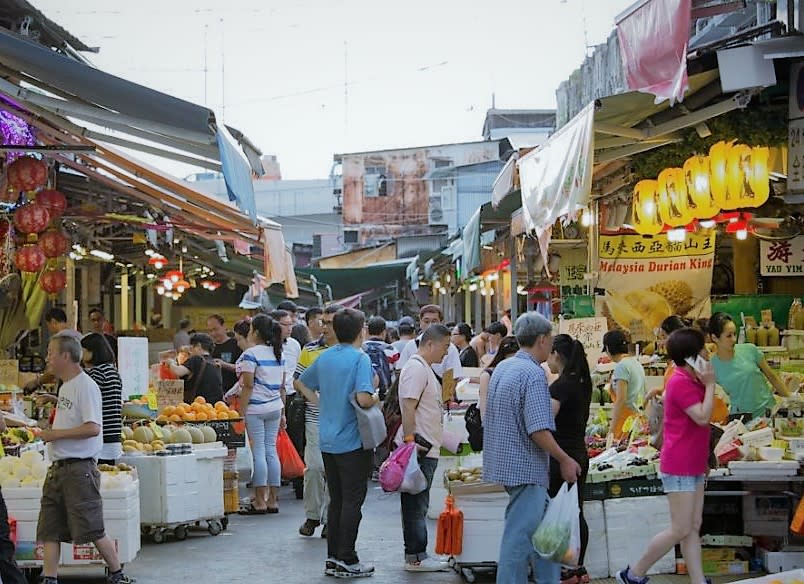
{"points": [[380, 365]]}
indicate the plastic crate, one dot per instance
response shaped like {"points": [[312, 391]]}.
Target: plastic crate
{"points": [[231, 432]]}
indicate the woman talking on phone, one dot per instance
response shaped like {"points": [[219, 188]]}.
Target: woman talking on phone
{"points": [[688, 401]]}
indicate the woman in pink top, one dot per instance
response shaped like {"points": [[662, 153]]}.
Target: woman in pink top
{"points": [[688, 400]]}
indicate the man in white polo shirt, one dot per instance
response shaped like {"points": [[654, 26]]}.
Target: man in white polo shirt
{"points": [[72, 508]]}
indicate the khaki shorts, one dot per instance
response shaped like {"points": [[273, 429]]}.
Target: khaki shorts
{"points": [[72, 508]]}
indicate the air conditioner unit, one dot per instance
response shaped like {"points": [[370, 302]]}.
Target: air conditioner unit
{"points": [[435, 214]]}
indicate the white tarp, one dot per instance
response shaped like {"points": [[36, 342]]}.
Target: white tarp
{"points": [[556, 178]]}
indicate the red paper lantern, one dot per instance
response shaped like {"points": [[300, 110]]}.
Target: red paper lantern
{"points": [[54, 243], [31, 218], [27, 174], [30, 258], [52, 200], [53, 281]]}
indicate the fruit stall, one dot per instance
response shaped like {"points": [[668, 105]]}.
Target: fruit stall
{"points": [[184, 454]]}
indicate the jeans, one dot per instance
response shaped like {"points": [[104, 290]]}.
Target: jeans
{"points": [[681, 483], [262, 431], [526, 507], [414, 515], [347, 481], [9, 572], [316, 498]]}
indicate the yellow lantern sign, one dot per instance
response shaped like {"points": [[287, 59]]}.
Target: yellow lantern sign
{"points": [[748, 176], [645, 210], [699, 193], [673, 206], [718, 177]]}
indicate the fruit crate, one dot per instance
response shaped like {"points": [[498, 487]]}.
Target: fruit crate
{"points": [[231, 432]]}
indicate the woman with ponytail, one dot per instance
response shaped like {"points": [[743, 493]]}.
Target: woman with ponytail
{"points": [[262, 403], [571, 395]]}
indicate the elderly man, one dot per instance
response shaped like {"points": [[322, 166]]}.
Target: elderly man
{"points": [[518, 443]]}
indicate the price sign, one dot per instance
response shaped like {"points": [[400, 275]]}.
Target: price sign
{"points": [[590, 332], [9, 371], [169, 392], [133, 365]]}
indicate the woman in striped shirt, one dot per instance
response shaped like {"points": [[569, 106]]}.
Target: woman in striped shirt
{"points": [[262, 403], [99, 364]]}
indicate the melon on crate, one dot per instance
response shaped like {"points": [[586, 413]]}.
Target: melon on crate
{"points": [[209, 434]]}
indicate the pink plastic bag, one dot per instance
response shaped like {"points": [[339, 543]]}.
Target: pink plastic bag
{"points": [[392, 471]]}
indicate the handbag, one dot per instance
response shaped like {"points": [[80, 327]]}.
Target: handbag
{"points": [[474, 427], [289, 459], [370, 424]]}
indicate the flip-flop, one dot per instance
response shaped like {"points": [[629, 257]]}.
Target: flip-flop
{"points": [[271, 510], [252, 510]]}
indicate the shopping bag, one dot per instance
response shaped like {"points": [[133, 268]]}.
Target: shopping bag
{"points": [[290, 461], [558, 537], [370, 424], [654, 410], [414, 481], [392, 471]]}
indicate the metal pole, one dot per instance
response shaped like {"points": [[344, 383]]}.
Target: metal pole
{"points": [[514, 294], [125, 323]]}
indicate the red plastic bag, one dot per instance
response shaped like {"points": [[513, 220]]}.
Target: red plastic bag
{"points": [[289, 459]]}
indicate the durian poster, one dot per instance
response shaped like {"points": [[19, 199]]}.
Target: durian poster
{"points": [[648, 279]]}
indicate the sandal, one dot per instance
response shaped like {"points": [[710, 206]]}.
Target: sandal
{"points": [[272, 510], [250, 509]]}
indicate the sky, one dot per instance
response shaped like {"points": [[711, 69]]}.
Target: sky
{"points": [[306, 79]]}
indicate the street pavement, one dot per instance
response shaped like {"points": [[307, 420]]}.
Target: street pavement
{"points": [[267, 548]]}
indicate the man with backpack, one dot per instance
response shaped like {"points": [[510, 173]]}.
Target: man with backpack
{"points": [[383, 356]]}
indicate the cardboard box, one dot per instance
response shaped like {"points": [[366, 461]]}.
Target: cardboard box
{"points": [[635, 488], [725, 568], [783, 561], [728, 540], [595, 491], [721, 554]]}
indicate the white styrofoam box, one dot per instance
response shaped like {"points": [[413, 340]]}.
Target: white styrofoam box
{"points": [[630, 525], [757, 438], [481, 542], [168, 488], [210, 478], [483, 507], [596, 561], [763, 469], [775, 562]]}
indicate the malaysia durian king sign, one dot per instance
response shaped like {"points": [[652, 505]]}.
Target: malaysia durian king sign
{"points": [[648, 279]]}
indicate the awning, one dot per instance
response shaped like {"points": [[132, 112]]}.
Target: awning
{"points": [[349, 281], [485, 218], [68, 88]]}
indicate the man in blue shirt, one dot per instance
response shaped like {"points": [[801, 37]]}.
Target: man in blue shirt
{"points": [[517, 446], [339, 372]]}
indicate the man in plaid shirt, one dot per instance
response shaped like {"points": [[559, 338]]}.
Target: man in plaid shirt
{"points": [[518, 443]]}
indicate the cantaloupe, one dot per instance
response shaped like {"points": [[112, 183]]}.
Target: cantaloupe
{"points": [[167, 432], [128, 433], [181, 436], [144, 435], [196, 434], [209, 434]]}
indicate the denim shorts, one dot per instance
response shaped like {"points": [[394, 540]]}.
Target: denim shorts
{"points": [[681, 484]]}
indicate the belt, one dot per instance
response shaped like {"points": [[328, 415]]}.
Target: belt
{"points": [[66, 461]]}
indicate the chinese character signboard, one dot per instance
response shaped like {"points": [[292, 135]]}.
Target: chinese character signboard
{"points": [[590, 332], [795, 142], [782, 258], [648, 279]]}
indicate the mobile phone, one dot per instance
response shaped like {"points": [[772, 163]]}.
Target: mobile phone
{"points": [[421, 441]]}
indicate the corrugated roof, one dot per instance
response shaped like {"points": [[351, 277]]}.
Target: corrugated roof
{"points": [[51, 34]]}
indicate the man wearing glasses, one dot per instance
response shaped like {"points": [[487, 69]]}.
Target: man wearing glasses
{"points": [[316, 498]]}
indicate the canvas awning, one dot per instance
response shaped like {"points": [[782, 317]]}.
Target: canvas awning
{"points": [[184, 131], [486, 217], [350, 281]]}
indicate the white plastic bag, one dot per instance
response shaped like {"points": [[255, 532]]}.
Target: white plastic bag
{"points": [[415, 481], [558, 537]]}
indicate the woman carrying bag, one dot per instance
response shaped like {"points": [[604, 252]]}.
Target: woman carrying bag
{"points": [[262, 403]]}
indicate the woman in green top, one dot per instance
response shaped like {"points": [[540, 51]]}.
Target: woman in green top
{"points": [[627, 381], [741, 370]]}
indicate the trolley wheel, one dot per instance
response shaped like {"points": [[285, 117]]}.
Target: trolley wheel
{"points": [[215, 527], [180, 533], [158, 536], [225, 523], [468, 575]]}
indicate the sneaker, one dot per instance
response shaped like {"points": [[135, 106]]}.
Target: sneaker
{"points": [[426, 565], [622, 577], [330, 567], [583, 575], [324, 533], [308, 527], [120, 578], [356, 570]]}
